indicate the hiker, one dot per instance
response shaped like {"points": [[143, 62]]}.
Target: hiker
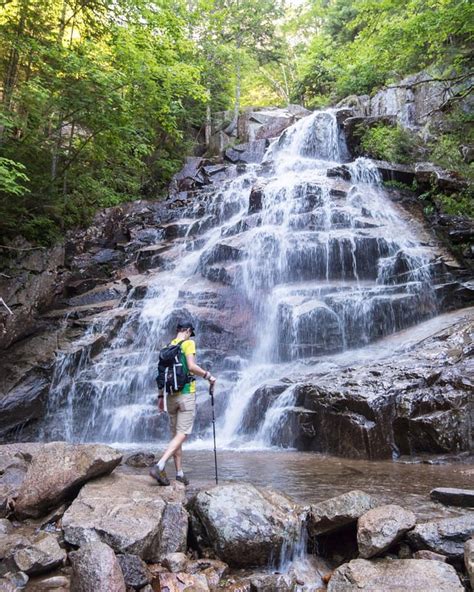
{"points": [[181, 405]]}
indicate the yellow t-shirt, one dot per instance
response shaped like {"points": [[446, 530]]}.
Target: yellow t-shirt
{"points": [[187, 347]]}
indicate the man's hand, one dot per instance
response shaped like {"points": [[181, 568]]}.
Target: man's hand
{"points": [[212, 384], [161, 404]]}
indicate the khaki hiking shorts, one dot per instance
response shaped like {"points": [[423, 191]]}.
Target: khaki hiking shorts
{"points": [[181, 409]]}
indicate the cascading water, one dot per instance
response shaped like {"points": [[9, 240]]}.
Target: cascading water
{"points": [[310, 264]]}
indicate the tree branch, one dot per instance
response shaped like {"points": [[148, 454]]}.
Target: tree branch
{"points": [[419, 82]]}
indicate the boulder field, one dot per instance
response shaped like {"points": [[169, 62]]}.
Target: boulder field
{"points": [[74, 519]]}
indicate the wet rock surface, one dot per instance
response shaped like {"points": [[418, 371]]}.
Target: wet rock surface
{"points": [[454, 497], [113, 265], [444, 536], [337, 512], [57, 471], [242, 524], [395, 575], [419, 400], [380, 527]]}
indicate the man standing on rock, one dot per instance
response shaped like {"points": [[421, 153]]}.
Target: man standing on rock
{"points": [[181, 406]]}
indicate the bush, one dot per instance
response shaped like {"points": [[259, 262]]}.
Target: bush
{"points": [[385, 142]]}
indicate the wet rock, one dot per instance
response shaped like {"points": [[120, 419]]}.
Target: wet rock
{"points": [[340, 171], [247, 153], [412, 403], [451, 496], [379, 528], [337, 512], [147, 520], [190, 176], [179, 582], [256, 199], [213, 569], [135, 571], [445, 536], [469, 560], [395, 575], [262, 399], [268, 122], [141, 459], [242, 524], [273, 583], [429, 555], [58, 471], [175, 562], [32, 278], [428, 175], [95, 567], [24, 401]]}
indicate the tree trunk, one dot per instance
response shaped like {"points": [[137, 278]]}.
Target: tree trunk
{"points": [[11, 75], [238, 82], [207, 127]]}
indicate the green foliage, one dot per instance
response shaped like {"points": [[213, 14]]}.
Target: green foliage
{"points": [[457, 130], [11, 177], [398, 185], [391, 143], [454, 204], [97, 106], [459, 204], [359, 45]]}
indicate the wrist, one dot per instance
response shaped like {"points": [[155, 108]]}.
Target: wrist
{"points": [[207, 375]]}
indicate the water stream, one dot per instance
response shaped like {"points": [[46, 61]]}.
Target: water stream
{"points": [[315, 265]]}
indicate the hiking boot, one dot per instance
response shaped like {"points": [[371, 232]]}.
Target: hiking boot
{"points": [[182, 479], [160, 476]]}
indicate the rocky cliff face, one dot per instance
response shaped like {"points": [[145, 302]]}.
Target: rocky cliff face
{"points": [[97, 282], [417, 400]]}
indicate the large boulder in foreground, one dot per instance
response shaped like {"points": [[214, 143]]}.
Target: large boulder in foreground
{"points": [[337, 512], [469, 560], [57, 472], [445, 536], [131, 514], [244, 525], [395, 575], [95, 567], [377, 529]]}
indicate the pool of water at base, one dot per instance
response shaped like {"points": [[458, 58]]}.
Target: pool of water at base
{"points": [[310, 477]]}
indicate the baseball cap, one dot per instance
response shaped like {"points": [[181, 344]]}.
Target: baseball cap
{"points": [[186, 325]]}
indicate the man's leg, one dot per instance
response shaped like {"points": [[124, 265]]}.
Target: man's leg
{"points": [[178, 460], [173, 447]]}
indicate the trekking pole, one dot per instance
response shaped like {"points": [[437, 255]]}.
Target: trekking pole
{"points": [[211, 392]]}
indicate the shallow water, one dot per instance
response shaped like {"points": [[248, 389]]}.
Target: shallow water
{"points": [[309, 477]]}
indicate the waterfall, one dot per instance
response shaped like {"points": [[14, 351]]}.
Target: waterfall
{"points": [[315, 266]]}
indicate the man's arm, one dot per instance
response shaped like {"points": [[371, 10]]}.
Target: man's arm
{"points": [[197, 370]]}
